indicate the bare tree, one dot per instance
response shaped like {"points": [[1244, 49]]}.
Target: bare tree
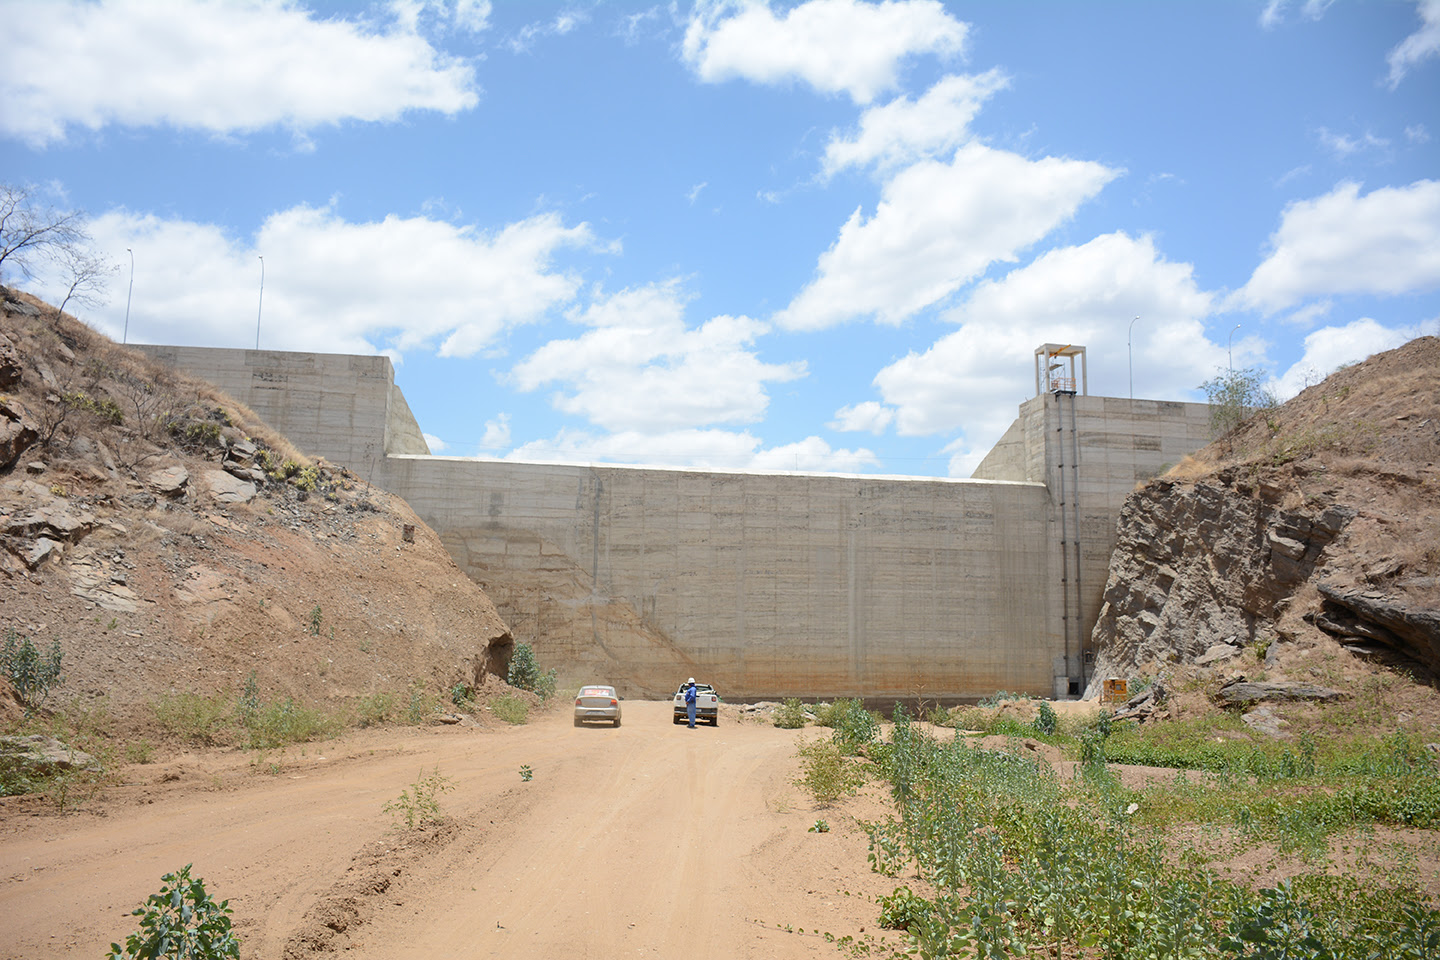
{"points": [[87, 274], [27, 229]]}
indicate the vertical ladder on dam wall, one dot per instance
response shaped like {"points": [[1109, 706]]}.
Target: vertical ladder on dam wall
{"points": [[1055, 374]]}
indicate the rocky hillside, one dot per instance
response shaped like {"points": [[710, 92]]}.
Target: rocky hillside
{"points": [[1313, 524], [170, 541]]}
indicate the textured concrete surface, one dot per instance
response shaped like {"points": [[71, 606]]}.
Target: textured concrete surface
{"points": [[765, 584]]}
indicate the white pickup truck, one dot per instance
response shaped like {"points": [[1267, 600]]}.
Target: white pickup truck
{"points": [[707, 704]]}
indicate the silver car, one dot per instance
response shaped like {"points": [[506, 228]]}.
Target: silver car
{"points": [[597, 702]]}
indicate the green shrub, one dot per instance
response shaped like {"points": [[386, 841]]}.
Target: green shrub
{"points": [[853, 726], [193, 718], [418, 805], [525, 673], [1045, 720], [790, 715], [181, 921], [462, 696], [30, 672], [826, 772], [376, 709], [421, 705], [281, 723], [904, 907], [510, 709]]}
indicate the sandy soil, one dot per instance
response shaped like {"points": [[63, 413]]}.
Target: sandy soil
{"points": [[647, 840]]}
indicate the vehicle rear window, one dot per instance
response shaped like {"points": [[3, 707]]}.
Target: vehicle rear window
{"points": [[595, 692]]}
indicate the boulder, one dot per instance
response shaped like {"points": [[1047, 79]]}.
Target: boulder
{"points": [[41, 756], [169, 482], [1241, 692], [226, 488]]}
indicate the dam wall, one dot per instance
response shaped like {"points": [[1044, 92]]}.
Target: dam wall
{"points": [[766, 584]]}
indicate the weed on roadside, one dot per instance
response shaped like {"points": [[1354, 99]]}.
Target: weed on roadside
{"points": [[418, 804]]}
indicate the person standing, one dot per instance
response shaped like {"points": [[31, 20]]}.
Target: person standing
{"points": [[690, 697]]}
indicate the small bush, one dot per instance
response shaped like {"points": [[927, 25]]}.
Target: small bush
{"points": [[193, 718], [525, 673], [421, 705], [30, 672], [285, 722], [1045, 720], [462, 696], [853, 725], [419, 804], [826, 773], [376, 709], [181, 921], [510, 709], [790, 715]]}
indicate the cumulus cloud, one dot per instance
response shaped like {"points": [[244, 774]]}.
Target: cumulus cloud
{"points": [[1422, 45], [904, 130], [1385, 242], [334, 285], [1085, 295], [835, 46], [641, 368], [223, 68], [435, 444], [870, 417], [707, 449], [1329, 348], [497, 433], [938, 226]]}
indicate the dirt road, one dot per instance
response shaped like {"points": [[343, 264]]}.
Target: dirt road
{"points": [[647, 840]]}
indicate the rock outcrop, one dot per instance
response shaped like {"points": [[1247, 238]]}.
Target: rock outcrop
{"points": [[1204, 565]]}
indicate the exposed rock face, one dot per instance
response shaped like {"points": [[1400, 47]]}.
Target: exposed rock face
{"points": [[17, 432], [1204, 564], [1378, 616]]}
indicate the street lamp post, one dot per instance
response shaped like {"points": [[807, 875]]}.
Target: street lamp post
{"points": [[261, 306], [1131, 352], [125, 336], [1230, 350]]}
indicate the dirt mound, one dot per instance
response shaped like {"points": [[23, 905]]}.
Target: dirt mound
{"points": [[171, 542]]}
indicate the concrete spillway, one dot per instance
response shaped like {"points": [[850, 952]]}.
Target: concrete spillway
{"points": [[767, 584]]}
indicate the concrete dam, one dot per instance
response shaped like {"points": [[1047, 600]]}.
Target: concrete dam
{"points": [[767, 585]]}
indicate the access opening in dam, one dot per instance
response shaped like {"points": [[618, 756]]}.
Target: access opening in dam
{"points": [[770, 585]]}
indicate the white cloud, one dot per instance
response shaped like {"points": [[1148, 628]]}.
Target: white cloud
{"points": [[562, 23], [333, 285], [497, 433], [904, 130], [1274, 10], [640, 368], [1386, 242], [435, 444], [1420, 46], [836, 46], [938, 226], [974, 378], [1345, 146], [704, 449], [869, 416], [1329, 348], [1416, 133], [224, 68]]}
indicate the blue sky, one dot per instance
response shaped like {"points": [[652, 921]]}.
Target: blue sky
{"points": [[820, 236]]}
